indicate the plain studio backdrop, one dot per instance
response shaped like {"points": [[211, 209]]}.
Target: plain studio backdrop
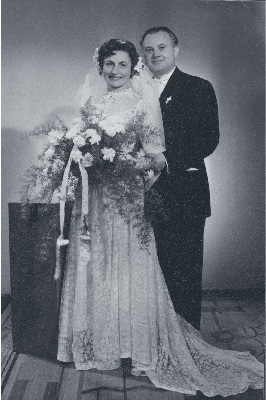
{"points": [[47, 49]]}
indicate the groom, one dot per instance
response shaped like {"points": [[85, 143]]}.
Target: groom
{"points": [[190, 117]]}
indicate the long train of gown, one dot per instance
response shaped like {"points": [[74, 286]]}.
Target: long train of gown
{"points": [[115, 304]]}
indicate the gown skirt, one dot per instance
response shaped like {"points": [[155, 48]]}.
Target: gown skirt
{"points": [[115, 304]]}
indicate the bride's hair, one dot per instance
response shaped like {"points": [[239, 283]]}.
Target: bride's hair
{"points": [[113, 45]]}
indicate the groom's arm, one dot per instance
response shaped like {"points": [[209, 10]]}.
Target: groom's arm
{"points": [[207, 136], [201, 133]]}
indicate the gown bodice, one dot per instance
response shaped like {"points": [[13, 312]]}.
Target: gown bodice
{"points": [[125, 103]]}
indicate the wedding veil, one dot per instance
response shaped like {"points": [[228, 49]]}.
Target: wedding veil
{"points": [[142, 83]]}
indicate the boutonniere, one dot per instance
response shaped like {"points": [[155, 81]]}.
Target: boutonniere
{"points": [[168, 99]]}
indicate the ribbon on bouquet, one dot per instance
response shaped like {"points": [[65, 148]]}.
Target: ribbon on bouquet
{"points": [[76, 156]]}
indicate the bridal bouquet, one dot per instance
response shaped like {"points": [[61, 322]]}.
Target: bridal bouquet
{"points": [[108, 149]]}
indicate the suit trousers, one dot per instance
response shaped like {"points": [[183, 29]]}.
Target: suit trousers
{"points": [[180, 252]]}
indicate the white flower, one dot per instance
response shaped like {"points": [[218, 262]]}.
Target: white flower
{"points": [[87, 160], [150, 173], [94, 119], [77, 120], [47, 162], [111, 131], [112, 124], [89, 132], [141, 160], [45, 171], [49, 153], [139, 65], [55, 137], [125, 156], [94, 137], [56, 196], [128, 148], [108, 154], [95, 55], [57, 165], [79, 141], [141, 153], [95, 59], [76, 155], [74, 131]]}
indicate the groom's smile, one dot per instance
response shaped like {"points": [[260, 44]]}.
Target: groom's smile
{"points": [[159, 53]]}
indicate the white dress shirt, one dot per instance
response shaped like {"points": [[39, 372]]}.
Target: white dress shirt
{"points": [[161, 82]]}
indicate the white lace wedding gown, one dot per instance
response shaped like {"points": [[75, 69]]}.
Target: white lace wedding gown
{"points": [[116, 305]]}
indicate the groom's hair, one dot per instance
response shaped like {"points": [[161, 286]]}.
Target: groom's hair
{"points": [[156, 29]]}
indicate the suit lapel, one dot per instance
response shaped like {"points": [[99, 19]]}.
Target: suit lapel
{"points": [[174, 86]]}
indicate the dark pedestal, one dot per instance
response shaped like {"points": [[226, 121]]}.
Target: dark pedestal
{"points": [[35, 302]]}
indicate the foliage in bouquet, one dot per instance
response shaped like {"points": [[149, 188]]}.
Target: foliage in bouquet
{"points": [[110, 150], [113, 151], [43, 180]]}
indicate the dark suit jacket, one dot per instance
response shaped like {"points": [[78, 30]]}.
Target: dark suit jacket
{"points": [[190, 118]]}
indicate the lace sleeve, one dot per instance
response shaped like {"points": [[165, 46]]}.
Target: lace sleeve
{"points": [[153, 140], [153, 133]]}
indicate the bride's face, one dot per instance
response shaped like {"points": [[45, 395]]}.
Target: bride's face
{"points": [[117, 70]]}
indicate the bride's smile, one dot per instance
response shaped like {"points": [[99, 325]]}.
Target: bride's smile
{"points": [[117, 70]]}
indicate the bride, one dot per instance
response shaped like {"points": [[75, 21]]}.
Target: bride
{"points": [[115, 303]]}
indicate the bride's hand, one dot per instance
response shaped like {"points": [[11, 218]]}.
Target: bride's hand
{"points": [[151, 161], [145, 165], [157, 161]]}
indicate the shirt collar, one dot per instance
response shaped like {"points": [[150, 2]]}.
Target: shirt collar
{"points": [[164, 78]]}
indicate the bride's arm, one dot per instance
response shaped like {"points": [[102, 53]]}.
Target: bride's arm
{"points": [[152, 140]]}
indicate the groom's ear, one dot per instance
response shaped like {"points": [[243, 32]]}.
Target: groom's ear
{"points": [[176, 51]]}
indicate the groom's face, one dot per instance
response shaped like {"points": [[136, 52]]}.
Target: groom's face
{"points": [[159, 53]]}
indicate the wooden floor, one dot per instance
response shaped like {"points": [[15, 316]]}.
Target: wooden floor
{"points": [[237, 325]]}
